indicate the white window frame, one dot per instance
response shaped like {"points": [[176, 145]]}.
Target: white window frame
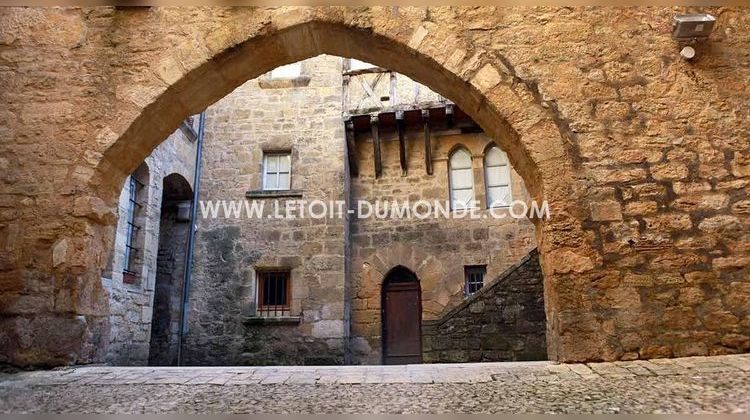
{"points": [[266, 172], [505, 168], [450, 180]]}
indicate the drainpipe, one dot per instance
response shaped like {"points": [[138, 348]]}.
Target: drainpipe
{"points": [[191, 238]]}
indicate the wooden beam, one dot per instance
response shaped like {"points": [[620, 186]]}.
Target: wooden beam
{"points": [[427, 141], [351, 148], [376, 145], [401, 127]]}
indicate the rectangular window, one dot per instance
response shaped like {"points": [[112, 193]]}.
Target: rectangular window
{"points": [[277, 171], [132, 229], [474, 278], [274, 293]]}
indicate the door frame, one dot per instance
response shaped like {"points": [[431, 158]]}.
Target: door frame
{"points": [[383, 307]]}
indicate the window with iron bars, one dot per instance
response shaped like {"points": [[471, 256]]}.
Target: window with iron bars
{"points": [[133, 230], [274, 293], [473, 278]]}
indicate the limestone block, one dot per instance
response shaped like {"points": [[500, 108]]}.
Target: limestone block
{"points": [[606, 211]]}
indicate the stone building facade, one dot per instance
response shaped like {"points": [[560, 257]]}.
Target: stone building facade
{"points": [[163, 179], [336, 265], [503, 321], [642, 156], [300, 117], [437, 249]]}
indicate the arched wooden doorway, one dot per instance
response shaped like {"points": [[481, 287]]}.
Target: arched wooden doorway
{"points": [[402, 317]]}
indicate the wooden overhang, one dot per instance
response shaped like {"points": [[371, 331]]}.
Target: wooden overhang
{"points": [[428, 119]]}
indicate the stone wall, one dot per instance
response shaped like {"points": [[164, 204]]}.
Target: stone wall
{"points": [[504, 321], [304, 116], [642, 156], [435, 249], [131, 305]]}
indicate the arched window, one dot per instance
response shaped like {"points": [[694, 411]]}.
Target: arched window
{"points": [[497, 178], [461, 180]]}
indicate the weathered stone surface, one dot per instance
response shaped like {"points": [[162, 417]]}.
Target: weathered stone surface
{"points": [[254, 119], [551, 113], [436, 250], [504, 321], [606, 211]]}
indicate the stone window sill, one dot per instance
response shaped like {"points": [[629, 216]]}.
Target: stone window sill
{"points": [[268, 83], [273, 194], [280, 320]]}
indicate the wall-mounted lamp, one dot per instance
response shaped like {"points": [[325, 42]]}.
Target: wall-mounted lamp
{"points": [[691, 29]]}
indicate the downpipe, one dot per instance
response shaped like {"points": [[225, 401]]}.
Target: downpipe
{"points": [[191, 239]]}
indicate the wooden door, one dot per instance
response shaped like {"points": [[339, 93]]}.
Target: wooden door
{"points": [[402, 319]]}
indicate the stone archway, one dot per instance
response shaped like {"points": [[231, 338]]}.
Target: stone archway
{"points": [[183, 80], [507, 109], [174, 229]]}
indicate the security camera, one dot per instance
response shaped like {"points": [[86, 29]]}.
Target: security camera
{"points": [[692, 28]]}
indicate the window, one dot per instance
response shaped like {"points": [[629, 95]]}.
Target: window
{"points": [[497, 178], [289, 71], [277, 171], [274, 293], [135, 217], [473, 278], [461, 180]]}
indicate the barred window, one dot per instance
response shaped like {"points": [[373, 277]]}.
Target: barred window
{"points": [[274, 293], [474, 278], [135, 221]]}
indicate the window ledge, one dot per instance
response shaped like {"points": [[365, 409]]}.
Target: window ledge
{"points": [[269, 83], [279, 320], [273, 194]]}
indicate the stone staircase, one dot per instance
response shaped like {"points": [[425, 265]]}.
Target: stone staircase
{"points": [[504, 321]]}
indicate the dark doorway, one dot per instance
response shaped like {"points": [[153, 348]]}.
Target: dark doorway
{"points": [[174, 228], [402, 318]]}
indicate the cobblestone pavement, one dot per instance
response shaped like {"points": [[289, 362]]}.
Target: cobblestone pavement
{"points": [[696, 384]]}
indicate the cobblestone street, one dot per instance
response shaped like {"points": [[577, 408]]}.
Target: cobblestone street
{"points": [[696, 385]]}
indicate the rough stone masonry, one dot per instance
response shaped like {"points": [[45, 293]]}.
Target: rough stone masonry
{"points": [[643, 157]]}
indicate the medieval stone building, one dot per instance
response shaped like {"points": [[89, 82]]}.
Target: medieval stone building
{"points": [[641, 154], [313, 290], [145, 274]]}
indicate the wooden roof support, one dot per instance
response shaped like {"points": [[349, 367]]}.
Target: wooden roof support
{"points": [[351, 148], [376, 145], [427, 141], [401, 128], [449, 115]]}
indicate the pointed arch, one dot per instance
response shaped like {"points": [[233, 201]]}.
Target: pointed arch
{"points": [[461, 179], [497, 179]]}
